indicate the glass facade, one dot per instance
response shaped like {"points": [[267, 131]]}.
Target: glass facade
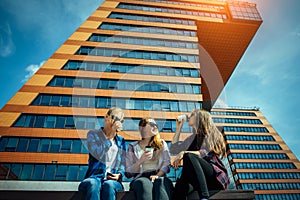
{"points": [[145, 18], [107, 102], [146, 29], [271, 186], [244, 11], [245, 129], [201, 5], [263, 166], [142, 41], [42, 145], [255, 146], [249, 137], [87, 122], [258, 156], [132, 69], [267, 175], [172, 11], [236, 121], [110, 84], [137, 54], [230, 113]]}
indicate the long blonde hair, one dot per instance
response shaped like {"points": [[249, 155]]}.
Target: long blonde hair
{"points": [[155, 141], [208, 134]]}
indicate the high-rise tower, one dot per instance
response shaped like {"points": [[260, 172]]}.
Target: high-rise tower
{"points": [[152, 57]]}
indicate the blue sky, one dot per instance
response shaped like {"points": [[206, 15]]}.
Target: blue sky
{"points": [[266, 77]]}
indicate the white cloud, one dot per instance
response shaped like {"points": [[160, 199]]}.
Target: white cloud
{"points": [[7, 46], [31, 69]]}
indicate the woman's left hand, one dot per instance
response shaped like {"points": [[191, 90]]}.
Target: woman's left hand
{"points": [[115, 177], [177, 160], [153, 177]]}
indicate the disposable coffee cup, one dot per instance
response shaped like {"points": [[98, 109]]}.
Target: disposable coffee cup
{"points": [[182, 118], [149, 148], [119, 129]]}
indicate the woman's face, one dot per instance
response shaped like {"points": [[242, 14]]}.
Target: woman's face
{"points": [[192, 119], [149, 130]]}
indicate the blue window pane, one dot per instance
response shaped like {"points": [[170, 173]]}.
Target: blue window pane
{"points": [[69, 82], [70, 122], [15, 171], [60, 122], [82, 172], [38, 172], [190, 106], [196, 89], [76, 147], [80, 123], [84, 148], [66, 146], [72, 173], [37, 101], [29, 121], [55, 146], [33, 145], [23, 144], [44, 145], [61, 172], [50, 122], [21, 121], [55, 101], [183, 107], [45, 100], [3, 142], [65, 101], [12, 144], [147, 105], [174, 106], [50, 172], [26, 172], [39, 122], [180, 88], [194, 73], [188, 89], [139, 105]]}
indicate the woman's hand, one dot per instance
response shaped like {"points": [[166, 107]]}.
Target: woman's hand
{"points": [[147, 155], [179, 125], [115, 177], [153, 177], [177, 160]]}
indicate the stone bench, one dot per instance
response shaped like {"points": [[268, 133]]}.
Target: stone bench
{"points": [[214, 195]]}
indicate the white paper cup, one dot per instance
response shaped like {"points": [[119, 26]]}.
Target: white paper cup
{"points": [[182, 118], [149, 148]]}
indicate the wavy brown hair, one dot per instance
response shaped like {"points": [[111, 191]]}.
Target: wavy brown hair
{"points": [[208, 134], [155, 141]]}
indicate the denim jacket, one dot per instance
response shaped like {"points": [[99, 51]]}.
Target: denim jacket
{"points": [[98, 146]]}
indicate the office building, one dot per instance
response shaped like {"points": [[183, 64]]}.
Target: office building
{"points": [[151, 58]]}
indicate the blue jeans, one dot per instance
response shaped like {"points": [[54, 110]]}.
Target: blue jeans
{"points": [[144, 189], [94, 189]]}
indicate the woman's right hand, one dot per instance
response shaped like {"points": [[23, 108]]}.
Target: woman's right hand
{"points": [[147, 155], [179, 125], [177, 161]]}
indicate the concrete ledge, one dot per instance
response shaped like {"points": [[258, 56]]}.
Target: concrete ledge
{"points": [[127, 195]]}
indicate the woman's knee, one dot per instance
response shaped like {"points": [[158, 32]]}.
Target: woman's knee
{"points": [[141, 183], [91, 184], [187, 157], [108, 185]]}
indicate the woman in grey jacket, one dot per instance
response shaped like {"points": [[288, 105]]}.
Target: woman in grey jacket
{"points": [[148, 161]]}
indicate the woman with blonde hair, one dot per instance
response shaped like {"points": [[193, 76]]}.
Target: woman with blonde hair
{"points": [[148, 161], [200, 152]]}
